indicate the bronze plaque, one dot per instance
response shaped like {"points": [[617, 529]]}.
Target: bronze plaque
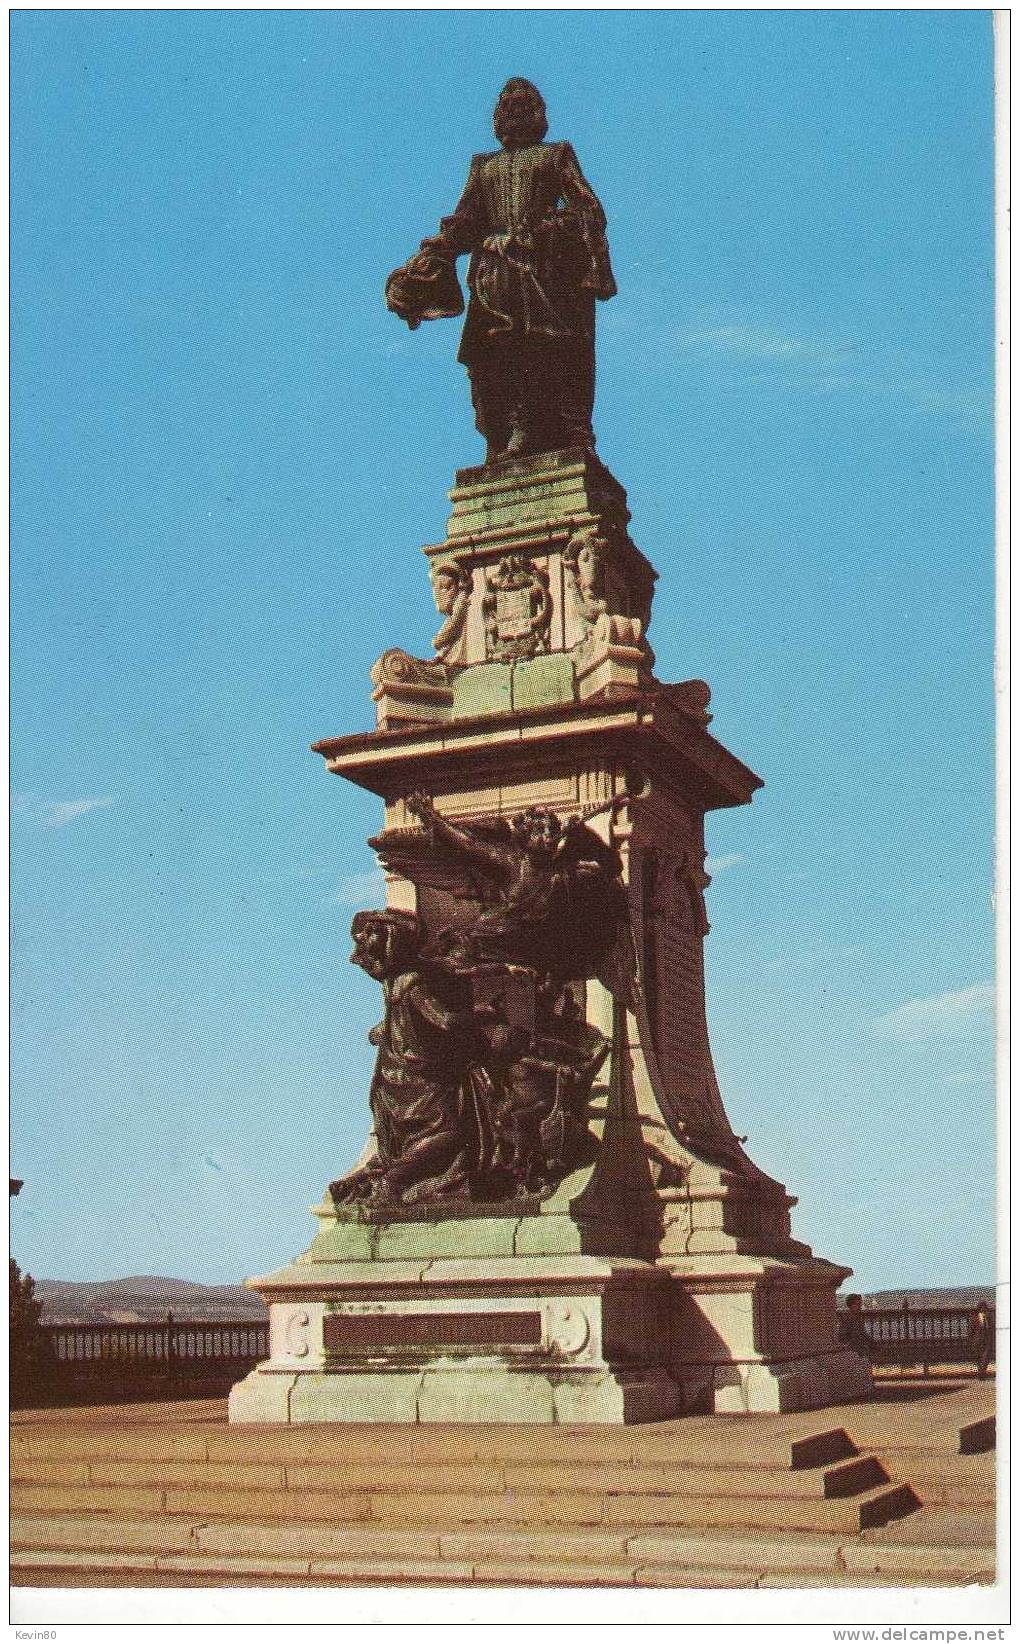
{"points": [[343, 1331]]}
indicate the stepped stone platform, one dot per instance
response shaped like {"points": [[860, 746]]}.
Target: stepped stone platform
{"points": [[899, 1491]]}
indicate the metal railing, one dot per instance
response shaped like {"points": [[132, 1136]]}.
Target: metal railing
{"points": [[130, 1360], [181, 1356], [181, 1342], [927, 1335]]}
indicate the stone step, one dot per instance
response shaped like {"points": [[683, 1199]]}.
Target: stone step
{"points": [[723, 1546], [843, 1479], [976, 1436], [931, 1566], [135, 1570], [953, 1526], [409, 1506], [742, 1441], [965, 1481], [218, 1553], [939, 1426]]}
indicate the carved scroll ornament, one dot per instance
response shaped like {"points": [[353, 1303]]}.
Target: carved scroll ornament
{"points": [[397, 667]]}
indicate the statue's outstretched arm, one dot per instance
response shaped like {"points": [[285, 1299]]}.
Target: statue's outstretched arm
{"points": [[465, 844]]}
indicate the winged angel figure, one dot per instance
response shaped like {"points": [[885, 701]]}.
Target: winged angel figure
{"points": [[551, 892]]}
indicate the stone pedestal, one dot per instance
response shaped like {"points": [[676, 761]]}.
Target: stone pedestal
{"points": [[453, 1321], [661, 1276]]}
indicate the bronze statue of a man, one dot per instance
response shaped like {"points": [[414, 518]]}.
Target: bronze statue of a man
{"points": [[539, 259]]}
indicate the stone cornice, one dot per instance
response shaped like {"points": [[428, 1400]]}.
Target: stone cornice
{"points": [[652, 726]]}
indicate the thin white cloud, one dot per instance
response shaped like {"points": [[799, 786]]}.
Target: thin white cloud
{"points": [[359, 890], [771, 356], [57, 813], [748, 342], [942, 1016], [968, 406], [718, 864]]}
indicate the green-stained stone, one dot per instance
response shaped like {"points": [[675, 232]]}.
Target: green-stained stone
{"points": [[482, 689], [342, 1241], [548, 1236], [460, 1236], [543, 679], [389, 1397]]}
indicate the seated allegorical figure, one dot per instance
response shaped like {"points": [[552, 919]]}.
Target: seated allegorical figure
{"points": [[427, 1142], [466, 1103]]}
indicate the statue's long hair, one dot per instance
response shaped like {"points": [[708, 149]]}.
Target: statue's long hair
{"points": [[538, 124]]}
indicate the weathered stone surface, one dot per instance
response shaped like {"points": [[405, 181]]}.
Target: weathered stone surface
{"points": [[613, 660], [566, 487], [343, 1239], [549, 1236], [261, 1397], [483, 689], [354, 1397], [474, 1237], [491, 1394], [100, 1533], [543, 681], [39, 1559], [42, 1499], [585, 1334]]}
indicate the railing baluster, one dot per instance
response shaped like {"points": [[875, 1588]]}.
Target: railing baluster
{"points": [[135, 1358], [917, 1335]]}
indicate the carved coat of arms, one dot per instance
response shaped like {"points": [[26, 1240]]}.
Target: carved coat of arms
{"points": [[517, 609]]}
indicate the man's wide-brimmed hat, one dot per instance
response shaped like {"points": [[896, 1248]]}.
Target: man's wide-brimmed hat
{"points": [[426, 288]]}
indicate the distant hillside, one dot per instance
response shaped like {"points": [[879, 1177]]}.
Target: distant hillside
{"points": [[143, 1300], [960, 1295]]}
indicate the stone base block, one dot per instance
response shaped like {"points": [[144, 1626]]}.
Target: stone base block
{"points": [[504, 1319], [760, 1333], [538, 1339], [776, 1386], [480, 1392]]}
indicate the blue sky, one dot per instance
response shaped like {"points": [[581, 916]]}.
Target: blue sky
{"points": [[227, 453]]}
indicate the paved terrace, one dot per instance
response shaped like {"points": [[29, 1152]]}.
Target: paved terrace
{"points": [[898, 1492]]}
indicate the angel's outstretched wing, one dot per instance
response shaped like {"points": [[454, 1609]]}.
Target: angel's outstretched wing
{"points": [[416, 854]]}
